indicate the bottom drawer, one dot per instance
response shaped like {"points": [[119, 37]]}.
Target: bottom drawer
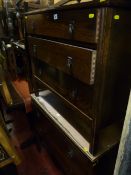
{"points": [[66, 116], [67, 154]]}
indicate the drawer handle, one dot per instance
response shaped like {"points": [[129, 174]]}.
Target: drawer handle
{"points": [[71, 28], [34, 50], [70, 154], [40, 71], [35, 54], [69, 62], [74, 93]]}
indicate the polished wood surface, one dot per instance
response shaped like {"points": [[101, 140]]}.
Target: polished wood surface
{"points": [[101, 100], [77, 25], [66, 153], [70, 89], [94, 3], [72, 60], [80, 124]]}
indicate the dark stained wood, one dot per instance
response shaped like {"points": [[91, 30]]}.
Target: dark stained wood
{"points": [[72, 60], [72, 90], [76, 25], [101, 101], [112, 77], [126, 4], [80, 122], [66, 153]]}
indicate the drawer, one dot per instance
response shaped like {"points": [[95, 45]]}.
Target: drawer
{"points": [[65, 151], [68, 88], [79, 25], [69, 118], [75, 61]]}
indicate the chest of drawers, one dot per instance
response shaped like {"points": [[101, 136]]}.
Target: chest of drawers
{"points": [[77, 52]]}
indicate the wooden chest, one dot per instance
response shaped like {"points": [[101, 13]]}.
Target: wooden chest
{"points": [[77, 52]]}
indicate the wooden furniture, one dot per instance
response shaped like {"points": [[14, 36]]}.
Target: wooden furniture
{"points": [[77, 53], [8, 72], [8, 157], [67, 148], [17, 60], [8, 154]]}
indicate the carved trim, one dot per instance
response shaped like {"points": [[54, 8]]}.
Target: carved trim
{"points": [[93, 66], [98, 25]]}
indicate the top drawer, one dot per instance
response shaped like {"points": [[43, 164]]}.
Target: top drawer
{"points": [[79, 25]]}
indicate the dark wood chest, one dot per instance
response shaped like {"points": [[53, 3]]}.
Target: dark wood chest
{"points": [[78, 53]]}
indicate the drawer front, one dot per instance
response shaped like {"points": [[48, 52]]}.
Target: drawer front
{"points": [[79, 25], [80, 122], [66, 152], [75, 61], [75, 92]]}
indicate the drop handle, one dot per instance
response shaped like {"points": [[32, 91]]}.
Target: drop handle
{"points": [[34, 50], [40, 71], [69, 62], [71, 28], [74, 93]]}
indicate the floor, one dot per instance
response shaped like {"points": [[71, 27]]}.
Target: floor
{"points": [[33, 161]]}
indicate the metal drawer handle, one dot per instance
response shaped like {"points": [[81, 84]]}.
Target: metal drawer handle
{"points": [[34, 50], [40, 71], [74, 93], [71, 27], [69, 62]]}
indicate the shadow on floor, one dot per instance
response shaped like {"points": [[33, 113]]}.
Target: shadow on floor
{"points": [[33, 162]]}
